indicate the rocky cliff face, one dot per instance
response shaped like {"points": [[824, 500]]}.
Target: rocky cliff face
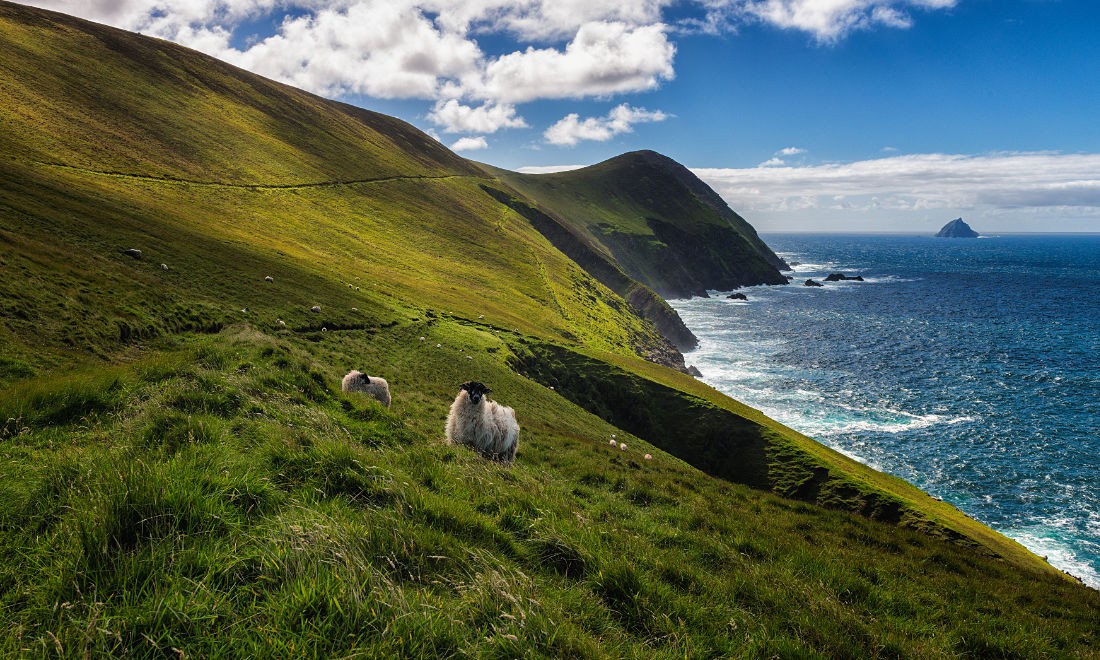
{"points": [[957, 229]]}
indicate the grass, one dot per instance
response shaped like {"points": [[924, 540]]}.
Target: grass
{"points": [[211, 511], [180, 474], [661, 224]]}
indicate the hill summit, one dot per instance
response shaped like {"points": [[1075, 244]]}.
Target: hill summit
{"points": [[957, 228], [660, 223]]}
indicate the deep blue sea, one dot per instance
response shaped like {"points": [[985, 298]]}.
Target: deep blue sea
{"points": [[969, 367]]}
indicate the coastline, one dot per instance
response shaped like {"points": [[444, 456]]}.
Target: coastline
{"points": [[893, 432]]}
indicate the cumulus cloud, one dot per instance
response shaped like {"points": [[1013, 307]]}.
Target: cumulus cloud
{"points": [[455, 117], [602, 59], [828, 20], [571, 129], [428, 49], [1032, 181], [470, 144]]}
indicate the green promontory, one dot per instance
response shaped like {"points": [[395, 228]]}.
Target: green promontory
{"points": [[180, 474], [661, 223]]}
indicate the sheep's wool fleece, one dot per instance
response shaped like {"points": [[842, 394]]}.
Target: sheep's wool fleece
{"points": [[489, 427], [378, 388]]}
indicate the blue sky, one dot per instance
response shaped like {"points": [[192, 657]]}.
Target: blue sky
{"points": [[807, 115]]}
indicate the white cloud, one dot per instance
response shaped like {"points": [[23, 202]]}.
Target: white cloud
{"points": [[827, 20], [1033, 182], [470, 144], [602, 59], [455, 117], [571, 129], [790, 151], [381, 49], [428, 49], [542, 20]]}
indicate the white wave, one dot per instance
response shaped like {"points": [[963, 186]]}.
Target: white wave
{"points": [[1046, 541], [888, 279]]}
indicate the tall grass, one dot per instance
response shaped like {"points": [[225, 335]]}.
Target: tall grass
{"points": [[212, 513]]}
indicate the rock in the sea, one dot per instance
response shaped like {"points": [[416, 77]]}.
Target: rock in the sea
{"points": [[957, 229], [813, 283], [736, 296], [841, 277]]}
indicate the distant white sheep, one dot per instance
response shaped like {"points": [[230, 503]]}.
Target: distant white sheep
{"points": [[485, 425], [648, 457], [376, 387], [316, 309]]}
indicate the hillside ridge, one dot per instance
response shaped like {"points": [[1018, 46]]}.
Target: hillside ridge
{"points": [[661, 224]]}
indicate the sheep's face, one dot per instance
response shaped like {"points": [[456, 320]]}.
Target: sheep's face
{"points": [[365, 378], [475, 391]]}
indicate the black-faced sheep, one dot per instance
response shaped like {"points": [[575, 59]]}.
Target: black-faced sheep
{"points": [[372, 385], [485, 425]]}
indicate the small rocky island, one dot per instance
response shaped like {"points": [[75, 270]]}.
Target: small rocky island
{"points": [[957, 229]]}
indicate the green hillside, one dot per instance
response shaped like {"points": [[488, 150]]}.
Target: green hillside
{"points": [[181, 475], [661, 223]]}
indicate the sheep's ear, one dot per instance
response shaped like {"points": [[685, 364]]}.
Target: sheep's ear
{"points": [[487, 390], [465, 386]]}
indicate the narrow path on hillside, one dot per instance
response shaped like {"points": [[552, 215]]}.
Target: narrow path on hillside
{"points": [[257, 186]]}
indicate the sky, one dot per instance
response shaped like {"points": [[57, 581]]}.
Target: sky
{"points": [[805, 115]]}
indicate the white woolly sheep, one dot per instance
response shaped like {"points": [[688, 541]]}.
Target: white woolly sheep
{"points": [[487, 426], [269, 279], [622, 446], [648, 457], [316, 309], [613, 443], [164, 266], [376, 387]]}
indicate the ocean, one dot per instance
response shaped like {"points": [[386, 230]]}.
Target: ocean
{"points": [[969, 367]]}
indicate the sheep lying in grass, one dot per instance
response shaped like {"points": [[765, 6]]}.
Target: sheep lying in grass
{"points": [[376, 387], [485, 425]]}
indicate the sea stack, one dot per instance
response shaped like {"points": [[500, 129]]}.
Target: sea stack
{"points": [[957, 229]]}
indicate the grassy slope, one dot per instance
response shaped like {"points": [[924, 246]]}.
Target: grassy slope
{"points": [[663, 225], [164, 486]]}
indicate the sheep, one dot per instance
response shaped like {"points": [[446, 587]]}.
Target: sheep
{"points": [[316, 309], [357, 381], [487, 426], [648, 457], [622, 446], [164, 266], [269, 278], [133, 252]]}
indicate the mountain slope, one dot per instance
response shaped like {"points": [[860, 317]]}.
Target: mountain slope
{"points": [[178, 470], [226, 178], [661, 223]]}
